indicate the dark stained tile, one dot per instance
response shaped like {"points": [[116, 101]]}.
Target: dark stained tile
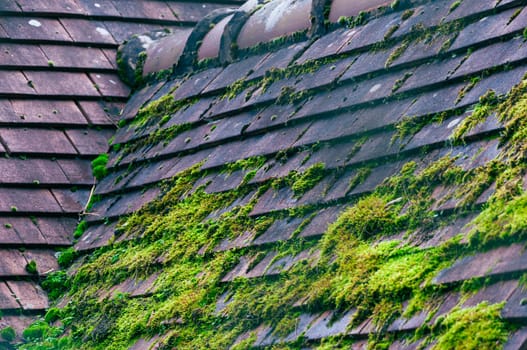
{"points": [[234, 72], [325, 75], [494, 55], [366, 63], [327, 45], [240, 241], [329, 324], [46, 112], [100, 112], [225, 182], [274, 200], [372, 32], [145, 343], [424, 16], [333, 155], [501, 83], [342, 8], [431, 73], [153, 172], [515, 308], [517, 341], [22, 55], [499, 260], [196, 83], [436, 101], [34, 28], [466, 9], [489, 28], [376, 146], [61, 56], [423, 49], [272, 115], [277, 60], [260, 268], [140, 99], [39, 141], [376, 177], [132, 202], [88, 31], [238, 270], [280, 230], [29, 295], [14, 82], [433, 134], [90, 141], [320, 223], [27, 200], [110, 85], [95, 237], [61, 83], [493, 294]]}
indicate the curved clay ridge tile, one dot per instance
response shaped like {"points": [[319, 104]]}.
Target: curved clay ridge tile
{"points": [[275, 19], [222, 32], [348, 8]]}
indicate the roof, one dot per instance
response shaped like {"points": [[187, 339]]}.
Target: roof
{"points": [[306, 174], [60, 98]]}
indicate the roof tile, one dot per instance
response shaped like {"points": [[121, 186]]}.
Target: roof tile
{"points": [[38, 141], [71, 84], [62, 56], [88, 31], [34, 28]]}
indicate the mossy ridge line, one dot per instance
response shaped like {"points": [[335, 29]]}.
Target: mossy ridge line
{"points": [[167, 105]]}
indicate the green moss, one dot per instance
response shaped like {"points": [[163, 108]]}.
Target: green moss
{"points": [[482, 110], [361, 175], [66, 257], [479, 327], [8, 334], [454, 6], [98, 165], [31, 267], [52, 315], [80, 229], [56, 283], [308, 179], [369, 217]]}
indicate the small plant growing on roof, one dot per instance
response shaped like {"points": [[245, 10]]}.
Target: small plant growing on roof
{"points": [[79, 231], [31, 267], [66, 257], [98, 165], [8, 334]]}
